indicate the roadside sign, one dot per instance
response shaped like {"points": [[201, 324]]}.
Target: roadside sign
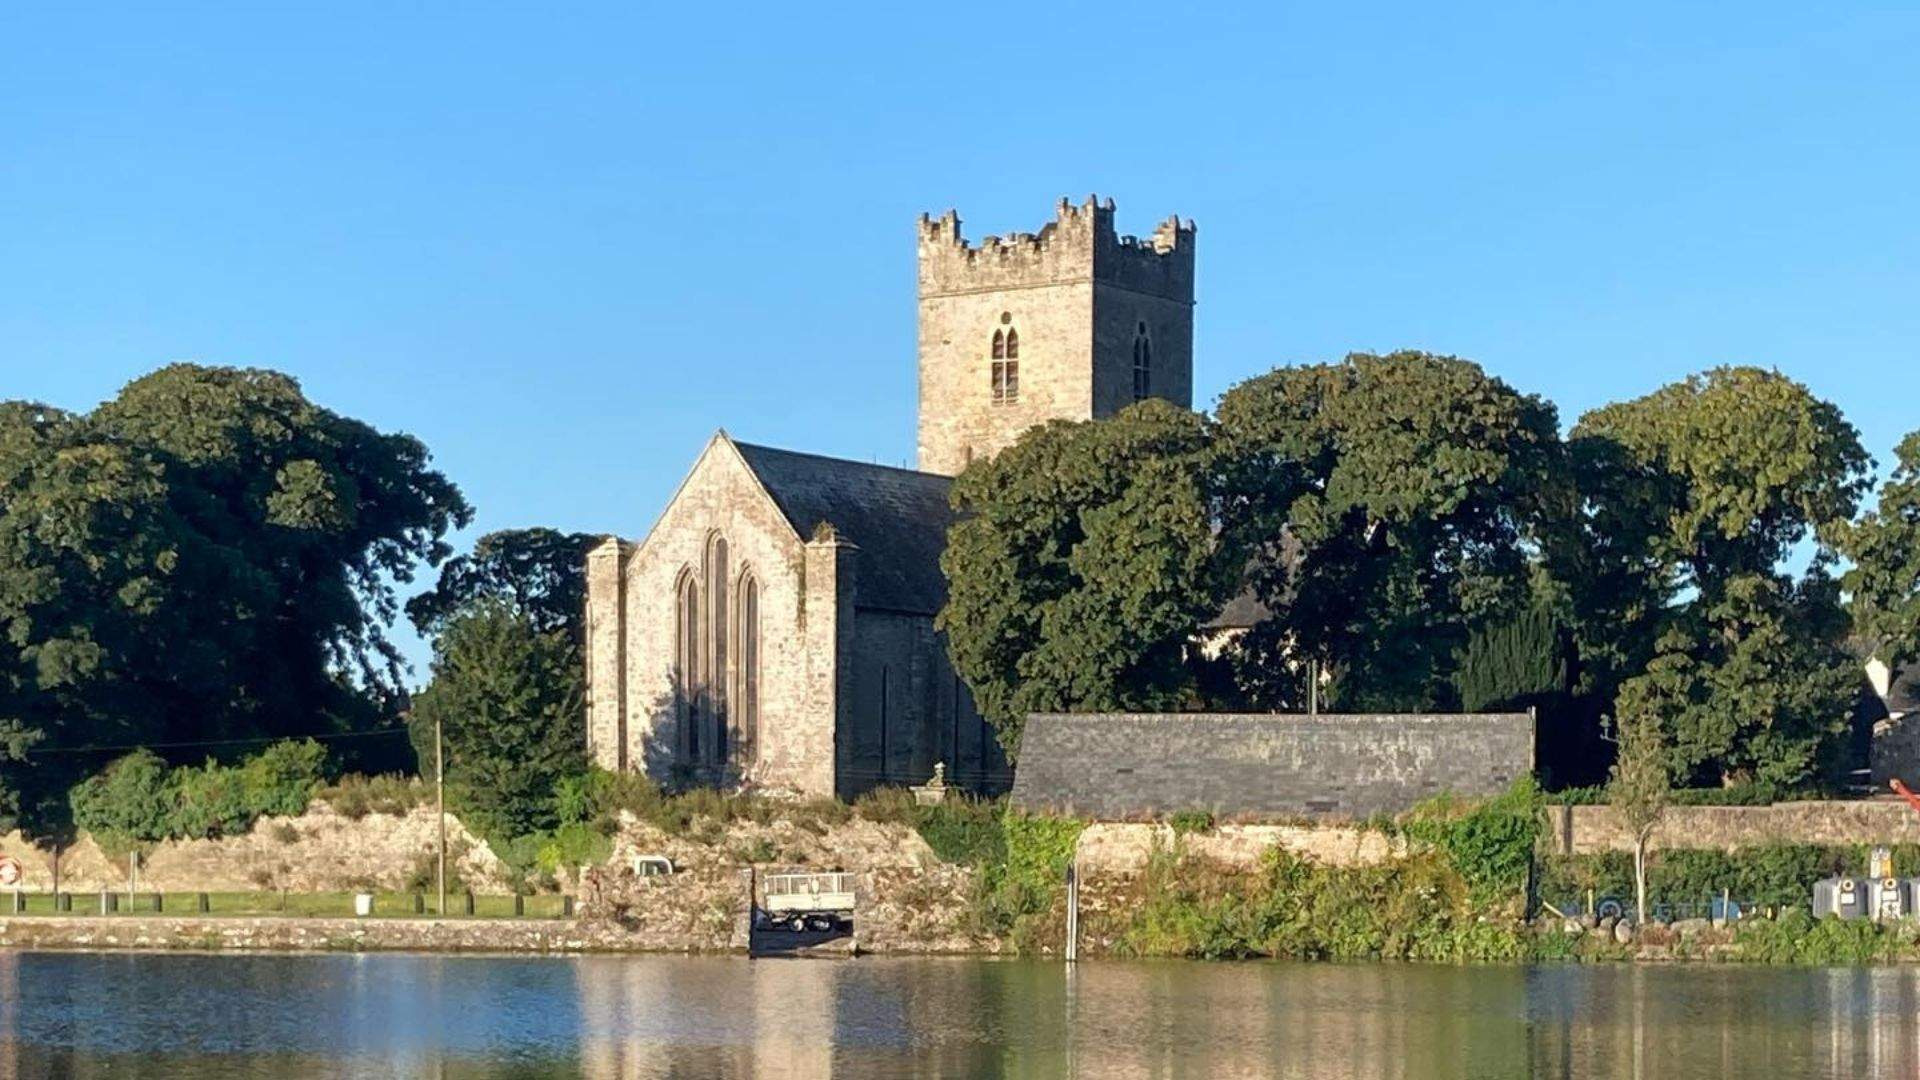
{"points": [[9, 870]]}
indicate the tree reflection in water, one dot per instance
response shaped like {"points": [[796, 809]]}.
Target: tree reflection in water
{"points": [[88, 1014]]}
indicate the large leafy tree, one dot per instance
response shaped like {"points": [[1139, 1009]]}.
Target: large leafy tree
{"points": [[1884, 583], [1384, 506], [207, 556], [1082, 566], [539, 572], [508, 698], [1693, 497]]}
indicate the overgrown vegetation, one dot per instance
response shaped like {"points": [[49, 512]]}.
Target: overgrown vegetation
{"points": [[1419, 908], [1772, 875], [1488, 843], [355, 795], [140, 799]]}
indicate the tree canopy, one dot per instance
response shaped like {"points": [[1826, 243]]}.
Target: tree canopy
{"points": [[1885, 548], [539, 572], [1082, 563], [1420, 532], [1384, 506], [509, 699], [208, 556], [1693, 497]]}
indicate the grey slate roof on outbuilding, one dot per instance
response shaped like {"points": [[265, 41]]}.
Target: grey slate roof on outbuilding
{"points": [[897, 518], [1131, 767]]}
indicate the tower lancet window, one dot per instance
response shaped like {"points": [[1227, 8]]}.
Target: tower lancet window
{"points": [[1006, 364], [1142, 364]]}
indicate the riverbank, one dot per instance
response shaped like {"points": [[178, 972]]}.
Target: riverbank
{"points": [[293, 934]]}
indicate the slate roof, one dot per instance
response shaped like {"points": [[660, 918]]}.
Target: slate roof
{"points": [[1904, 695], [897, 518], [1115, 767]]}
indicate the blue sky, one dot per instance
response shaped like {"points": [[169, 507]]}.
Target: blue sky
{"points": [[562, 248]]}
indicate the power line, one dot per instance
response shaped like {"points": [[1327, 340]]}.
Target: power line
{"points": [[215, 742]]}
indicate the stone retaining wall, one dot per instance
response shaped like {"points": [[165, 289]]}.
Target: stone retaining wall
{"points": [[1585, 830], [313, 935], [1118, 848], [318, 851]]}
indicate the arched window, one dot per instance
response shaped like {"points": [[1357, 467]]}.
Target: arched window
{"points": [[746, 695], [716, 672], [686, 661], [1142, 364], [1006, 366]]}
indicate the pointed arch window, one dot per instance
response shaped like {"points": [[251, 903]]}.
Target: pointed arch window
{"points": [[686, 662], [715, 674], [1142, 364], [1006, 365], [746, 695]]}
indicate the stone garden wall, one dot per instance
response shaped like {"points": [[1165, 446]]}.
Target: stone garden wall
{"points": [[318, 851], [1583, 830]]}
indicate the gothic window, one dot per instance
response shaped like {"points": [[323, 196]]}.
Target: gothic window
{"points": [[1006, 366], [1142, 364], [716, 671], [686, 660], [746, 696]]}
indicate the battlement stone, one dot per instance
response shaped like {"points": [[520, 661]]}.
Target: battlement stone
{"points": [[1079, 244]]}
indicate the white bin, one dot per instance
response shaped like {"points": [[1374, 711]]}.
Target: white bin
{"points": [[363, 904]]}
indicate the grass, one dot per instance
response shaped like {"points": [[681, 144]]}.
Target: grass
{"points": [[396, 905]]}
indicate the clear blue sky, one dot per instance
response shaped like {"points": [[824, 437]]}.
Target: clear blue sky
{"points": [[563, 247]]}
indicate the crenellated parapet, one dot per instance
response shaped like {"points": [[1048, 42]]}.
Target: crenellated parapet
{"points": [[1079, 244]]}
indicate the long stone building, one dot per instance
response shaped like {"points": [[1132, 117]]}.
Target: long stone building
{"points": [[775, 629]]}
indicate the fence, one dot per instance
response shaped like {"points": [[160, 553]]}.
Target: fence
{"points": [[388, 905]]}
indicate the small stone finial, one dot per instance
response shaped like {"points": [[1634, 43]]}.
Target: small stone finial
{"points": [[934, 791]]}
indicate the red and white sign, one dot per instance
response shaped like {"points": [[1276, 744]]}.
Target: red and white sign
{"points": [[9, 870]]}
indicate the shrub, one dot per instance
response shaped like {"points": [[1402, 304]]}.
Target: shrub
{"points": [[1190, 821], [140, 799], [355, 796], [1772, 875], [126, 803], [966, 832], [1490, 844]]}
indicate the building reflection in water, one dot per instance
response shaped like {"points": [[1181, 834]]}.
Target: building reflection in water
{"points": [[106, 1014]]}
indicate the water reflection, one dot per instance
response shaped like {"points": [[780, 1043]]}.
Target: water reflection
{"points": [[722, 1017]]}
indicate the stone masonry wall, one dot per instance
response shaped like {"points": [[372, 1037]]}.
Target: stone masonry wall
{"points": [[318, 851], [1585, 830], [1076, 293], [793, 746], [1124, 848]]}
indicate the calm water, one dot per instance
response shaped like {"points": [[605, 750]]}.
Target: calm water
{"points": [[77, 1014]]}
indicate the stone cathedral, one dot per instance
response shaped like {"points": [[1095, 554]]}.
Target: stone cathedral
{"points": [[775, 628]]}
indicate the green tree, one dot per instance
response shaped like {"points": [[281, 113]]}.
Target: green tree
{"points": [[1692, 499], [1385, 507], [1514, 663], [540, 572], [207, 556], [1082, 566], [1637, 790], [1884, 583], [128, 802], [509, 700], [1753, 686]]}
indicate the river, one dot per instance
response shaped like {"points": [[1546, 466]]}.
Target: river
{"points": [[382, 1015]]}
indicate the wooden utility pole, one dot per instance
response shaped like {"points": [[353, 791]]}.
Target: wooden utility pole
{"points": [[440, 798]]}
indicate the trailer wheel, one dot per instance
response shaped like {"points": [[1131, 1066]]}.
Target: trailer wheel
{"points": [[820, 923]]}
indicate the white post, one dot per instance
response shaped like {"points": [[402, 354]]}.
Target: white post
{"points": [[440, 798], [1073, 911]]}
